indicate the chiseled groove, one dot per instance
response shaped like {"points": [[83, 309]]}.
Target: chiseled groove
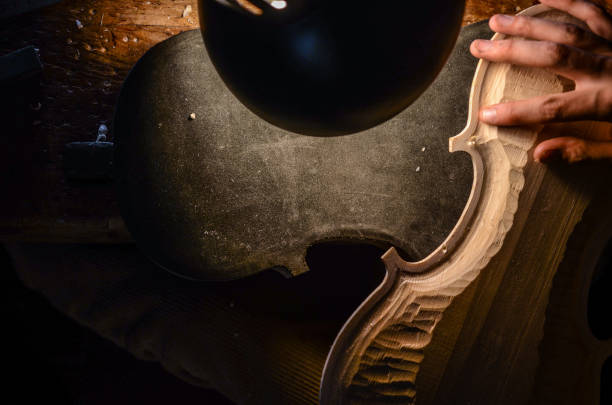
{"points": [[426, 325], [517, 180], [411, 312], [511, 207], [382, 373], [404, 330], [380, 354], [397, 335], [425, 315], [515, 137], [517, 155], [407, 330], [401, 364], [432, 302], [403, 340]]}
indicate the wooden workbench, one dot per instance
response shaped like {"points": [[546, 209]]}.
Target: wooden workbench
{"points": [[85, 63]]}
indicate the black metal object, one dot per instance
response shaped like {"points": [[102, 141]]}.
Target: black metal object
{"points": [[89, 161], [19, 66], [222, 194], [321, 67]]}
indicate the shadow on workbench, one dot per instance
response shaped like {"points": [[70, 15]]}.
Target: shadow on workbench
{"points": [[49, 358]]}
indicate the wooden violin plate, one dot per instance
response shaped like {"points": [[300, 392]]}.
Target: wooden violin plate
{"points": [[226, 195], [519, 210]]}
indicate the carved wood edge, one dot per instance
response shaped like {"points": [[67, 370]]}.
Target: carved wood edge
{"points": [[375, 357]]}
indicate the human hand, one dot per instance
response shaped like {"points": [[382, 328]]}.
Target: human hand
{"points": [[568, 50]]}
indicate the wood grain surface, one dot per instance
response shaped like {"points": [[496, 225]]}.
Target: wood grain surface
{"points": [[85, 63]]}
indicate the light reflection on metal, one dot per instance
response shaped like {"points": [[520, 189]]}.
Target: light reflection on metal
{"points": [[277, 4], [250, 7]]}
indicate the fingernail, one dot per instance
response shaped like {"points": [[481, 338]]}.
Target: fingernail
{"points": [[488, 115], [483, 45], [503, 20]]}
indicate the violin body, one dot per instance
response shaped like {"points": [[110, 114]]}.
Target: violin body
{"points": [[227, 195]]}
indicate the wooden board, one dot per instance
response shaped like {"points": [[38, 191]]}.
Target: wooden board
{"points": [[84, 69], [377, 355]]}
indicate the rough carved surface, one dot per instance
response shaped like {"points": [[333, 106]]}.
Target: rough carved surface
{"points": [[376, 355]]}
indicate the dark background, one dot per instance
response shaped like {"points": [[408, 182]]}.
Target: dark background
{"points": [[48, 358]]}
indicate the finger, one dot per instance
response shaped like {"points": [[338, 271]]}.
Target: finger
{"points": [[572, 150], [567, 61], [571, 106], [546, 30], [598, 20]]}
